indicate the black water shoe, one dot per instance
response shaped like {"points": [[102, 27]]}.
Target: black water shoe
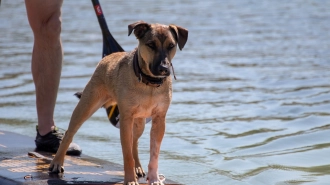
{"points": [[51, 141]]}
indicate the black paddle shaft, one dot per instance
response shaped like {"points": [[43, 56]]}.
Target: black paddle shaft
{"points": [[110, 45]]}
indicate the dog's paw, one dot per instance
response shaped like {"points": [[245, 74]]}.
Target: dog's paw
{"points": [[132, 183], [55, 167], [140, 172], [157, 183]]}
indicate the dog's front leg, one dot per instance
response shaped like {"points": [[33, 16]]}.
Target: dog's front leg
{"points": [[91, 100], [138, 129], [126, 137], [156, 137]]}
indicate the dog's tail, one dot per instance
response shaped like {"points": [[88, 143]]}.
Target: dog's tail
{"points": [[78, 94]]}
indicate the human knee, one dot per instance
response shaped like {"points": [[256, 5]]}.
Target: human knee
{"points": [[52, 27], [49, 28], [45, 18]]}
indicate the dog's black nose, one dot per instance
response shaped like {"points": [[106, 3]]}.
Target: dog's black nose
{"points": [[163, 69]]}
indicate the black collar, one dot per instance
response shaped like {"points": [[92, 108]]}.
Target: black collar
{"points": [[148, 80]]}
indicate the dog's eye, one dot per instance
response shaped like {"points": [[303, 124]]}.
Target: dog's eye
{"points": [[151, 45], [171, 46]]}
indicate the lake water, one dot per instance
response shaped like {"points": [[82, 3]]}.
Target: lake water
{"points": [[251, 104]]}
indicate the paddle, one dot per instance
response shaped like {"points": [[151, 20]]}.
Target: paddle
{"points": [[110, 45]]}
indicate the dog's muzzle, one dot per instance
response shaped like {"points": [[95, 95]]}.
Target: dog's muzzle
{"points": [[164, 69]]}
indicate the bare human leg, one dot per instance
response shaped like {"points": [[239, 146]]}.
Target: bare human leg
{"points": [[45, 20]]}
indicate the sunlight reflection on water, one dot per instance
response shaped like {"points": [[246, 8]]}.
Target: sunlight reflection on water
{"points": [[251, 103]]}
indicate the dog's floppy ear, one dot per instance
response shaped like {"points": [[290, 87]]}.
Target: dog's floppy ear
{"points": [[140, 28], [181, 35]]}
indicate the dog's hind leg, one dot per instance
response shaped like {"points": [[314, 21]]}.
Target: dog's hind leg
{"points": [[91, 100], [138, 129]]}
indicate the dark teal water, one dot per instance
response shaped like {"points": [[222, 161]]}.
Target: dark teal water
{"points": [[251, 104]]}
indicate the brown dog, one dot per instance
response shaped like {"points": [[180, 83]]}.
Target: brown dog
{"points": [[139, 83]]}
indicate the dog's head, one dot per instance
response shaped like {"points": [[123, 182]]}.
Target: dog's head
{"points": [[157, 45]]}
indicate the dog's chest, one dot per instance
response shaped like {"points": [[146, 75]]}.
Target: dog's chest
{"points": [[150, 104]]}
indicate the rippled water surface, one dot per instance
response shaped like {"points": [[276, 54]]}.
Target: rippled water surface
{"points": [[251, 103]]}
